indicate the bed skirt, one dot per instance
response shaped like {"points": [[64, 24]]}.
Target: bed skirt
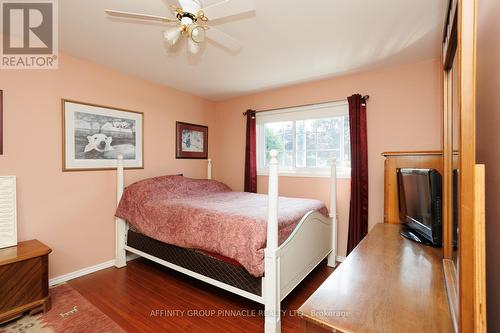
{"points": [[236, 276]]}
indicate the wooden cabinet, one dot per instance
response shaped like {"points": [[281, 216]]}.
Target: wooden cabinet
{"points": [[24, 284], [404, 159]]}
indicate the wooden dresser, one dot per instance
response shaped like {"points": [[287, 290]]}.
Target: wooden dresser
{"points": [[24, 284], [387, 284]]}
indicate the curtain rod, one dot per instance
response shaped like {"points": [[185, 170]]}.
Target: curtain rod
{"points": [[364, 98]]}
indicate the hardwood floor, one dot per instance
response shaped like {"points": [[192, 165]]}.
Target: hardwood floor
{"points": [[147, 297]]}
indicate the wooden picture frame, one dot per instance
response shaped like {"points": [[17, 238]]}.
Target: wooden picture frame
{"points": [[95, 135], [1, 122], [191, 141]]}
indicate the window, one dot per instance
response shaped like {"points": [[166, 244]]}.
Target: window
{"points": [[307, 138]]}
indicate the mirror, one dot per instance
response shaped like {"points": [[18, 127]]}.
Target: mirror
{"points": [[455, 120], [451, 145], [462, 207]]}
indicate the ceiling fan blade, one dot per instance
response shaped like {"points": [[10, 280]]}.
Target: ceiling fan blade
{"points": [[173, 3], [117, 13], [228, 8], [174, 6], [224, 39]]}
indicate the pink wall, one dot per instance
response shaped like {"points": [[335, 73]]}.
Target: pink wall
{"points": [[72, 212], [403, 114], [65, 209], [488, 144]]}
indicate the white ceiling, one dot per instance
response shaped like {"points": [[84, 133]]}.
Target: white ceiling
{"points": [[285, 42]]}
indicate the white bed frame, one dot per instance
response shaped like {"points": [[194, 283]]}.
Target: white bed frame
{"points": [[314, 238]]}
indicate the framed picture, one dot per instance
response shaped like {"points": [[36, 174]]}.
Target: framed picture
{"points": [[94, 136], [192, 141]]}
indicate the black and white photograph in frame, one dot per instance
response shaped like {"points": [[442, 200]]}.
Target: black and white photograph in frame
{"points": [[191, 141], [95, 135]]}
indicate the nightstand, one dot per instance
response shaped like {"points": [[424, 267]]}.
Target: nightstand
{"points": [[24, 280]]}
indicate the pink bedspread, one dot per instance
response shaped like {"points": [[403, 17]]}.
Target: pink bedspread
{"points": [[207, 215]]}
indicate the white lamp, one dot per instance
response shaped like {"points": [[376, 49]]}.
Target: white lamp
{"points": [[197, 33], [196, 36], [172, 35], [193, 47]]}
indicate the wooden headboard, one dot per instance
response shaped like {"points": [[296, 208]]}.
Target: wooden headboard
{"points": [[404, 159]]}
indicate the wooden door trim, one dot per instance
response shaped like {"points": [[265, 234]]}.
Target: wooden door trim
{"points": [[479, 251], [467, 159]]}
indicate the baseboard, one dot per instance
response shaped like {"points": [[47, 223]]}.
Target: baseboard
{"points": [[86, 270], [104, 265]]}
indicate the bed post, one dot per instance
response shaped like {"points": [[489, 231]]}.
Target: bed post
{"points": [[120, 226], [332, 257], [209, 169], [272, 279]]}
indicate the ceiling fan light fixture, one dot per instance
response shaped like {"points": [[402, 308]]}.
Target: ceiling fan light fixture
{"points": [[172, 35], [193, 46], [197, 33], [189, 21]]}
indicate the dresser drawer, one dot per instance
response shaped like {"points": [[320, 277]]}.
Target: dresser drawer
{"points": [[23, 282]]}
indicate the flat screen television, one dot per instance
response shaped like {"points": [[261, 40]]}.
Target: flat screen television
{"points": [[420, 205]]}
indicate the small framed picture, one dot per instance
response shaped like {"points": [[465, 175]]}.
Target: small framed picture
{"points": [[192, 141], [95, 135]]}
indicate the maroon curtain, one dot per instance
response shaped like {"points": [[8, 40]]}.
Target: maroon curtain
{"points": [[358, 210], [250, 154]]}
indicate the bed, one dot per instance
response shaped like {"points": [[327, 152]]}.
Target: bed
{"points": [[242, 243]]}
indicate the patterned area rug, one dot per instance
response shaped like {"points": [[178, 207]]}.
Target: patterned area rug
{"points": [[70, 312]]}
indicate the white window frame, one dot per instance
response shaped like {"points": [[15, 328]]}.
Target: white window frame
{"points": [[314, 111]]}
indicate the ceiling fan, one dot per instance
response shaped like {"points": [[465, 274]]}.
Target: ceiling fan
{"points": [[191, 20]]}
